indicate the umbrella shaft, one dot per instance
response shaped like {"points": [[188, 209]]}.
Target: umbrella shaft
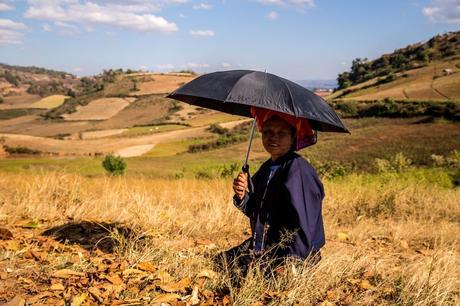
{"points": [[251, 136]]}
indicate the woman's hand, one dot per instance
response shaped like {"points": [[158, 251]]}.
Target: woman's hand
{"points": [[240, 185]]}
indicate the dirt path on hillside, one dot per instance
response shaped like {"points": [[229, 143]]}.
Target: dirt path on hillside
{"points": [[133, 146], [135, 150]]}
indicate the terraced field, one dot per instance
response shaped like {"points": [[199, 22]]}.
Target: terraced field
{"points": [[427, 83], [100, 109], [49, 102]]}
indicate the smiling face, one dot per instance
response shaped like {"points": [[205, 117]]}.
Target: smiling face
{"points": [[277, 137]]}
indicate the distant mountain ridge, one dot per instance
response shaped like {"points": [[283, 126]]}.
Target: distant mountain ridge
{"points": [[318, 84]]}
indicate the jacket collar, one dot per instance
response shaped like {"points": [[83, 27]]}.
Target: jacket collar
{"points": [[281, 160]]}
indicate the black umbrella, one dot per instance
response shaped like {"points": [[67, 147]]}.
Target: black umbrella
{"points": [[235, 91]]}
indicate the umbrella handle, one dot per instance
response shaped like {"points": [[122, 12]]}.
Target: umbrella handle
{"points": [[245, 167]]}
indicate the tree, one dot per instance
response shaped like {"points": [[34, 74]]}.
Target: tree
{"points": [[344, 80], [12, 79], [115, 165]]}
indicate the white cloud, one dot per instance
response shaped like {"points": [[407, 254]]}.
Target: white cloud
{"points": [[66, 28], [46, 28], [10, 32], [5, 7], [165, 66], [226, 65], [272, 16], [202, 6], [8, 37], [134, 16], [195, 65], [443, 11], [202, 33], [78, 69], [295, 3], [12, 25]]}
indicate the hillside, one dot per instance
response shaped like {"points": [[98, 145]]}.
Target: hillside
{"points": [[21, 86], [422, 71]]}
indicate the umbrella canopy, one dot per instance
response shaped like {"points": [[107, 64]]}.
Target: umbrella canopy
{"points": [[235, 91]]}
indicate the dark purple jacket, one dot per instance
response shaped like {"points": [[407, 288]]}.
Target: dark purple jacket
{"points": [[292, 203]]}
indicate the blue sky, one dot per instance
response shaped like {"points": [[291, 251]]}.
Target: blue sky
{"points": [[296, 39]]}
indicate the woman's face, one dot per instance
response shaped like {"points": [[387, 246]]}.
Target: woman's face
{"points": [[277, 137]]}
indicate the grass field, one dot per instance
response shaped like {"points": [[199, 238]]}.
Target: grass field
{"points": [[427, 83], [6, 114], [50, 102], [100, 109], [143, 241], [370, 138], [150, 129], [207, 119]]}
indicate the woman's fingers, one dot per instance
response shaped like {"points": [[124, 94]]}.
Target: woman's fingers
{"points": [[240, 184]]}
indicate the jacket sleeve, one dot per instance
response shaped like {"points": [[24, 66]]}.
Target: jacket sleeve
{"points": [[243, 204], [306, 194]]}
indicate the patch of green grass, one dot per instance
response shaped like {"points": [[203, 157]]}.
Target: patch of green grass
{"points": [[82, 165], [172, 148], [6, 114]]}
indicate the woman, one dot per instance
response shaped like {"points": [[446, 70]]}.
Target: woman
{"points": [[284, 207]]}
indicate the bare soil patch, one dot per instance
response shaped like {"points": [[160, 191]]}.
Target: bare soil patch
{"points": [[135, 150]]}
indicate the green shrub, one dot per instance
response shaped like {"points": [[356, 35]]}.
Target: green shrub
{"points": [[226, 138], [397, 163], [217, 129], [202, 174], [115, 165], [179, 175], [21, 150], [330, 170], [10, 78], [230, 170]]}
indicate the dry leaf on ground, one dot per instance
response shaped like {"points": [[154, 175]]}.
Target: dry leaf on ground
{"points": [[166, 298], [207, 274], [176, 286], [57, 287], [79, 299], [146, 266], [5, 234], [16, 301], [66, 273], [114, 279]]}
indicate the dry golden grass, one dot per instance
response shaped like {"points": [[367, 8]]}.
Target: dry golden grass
{"points": [[50, 102], [100, 109], [425, 83], [388, 241], [161, 83]]}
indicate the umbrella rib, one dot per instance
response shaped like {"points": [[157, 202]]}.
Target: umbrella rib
{"points": [[292, 99]]}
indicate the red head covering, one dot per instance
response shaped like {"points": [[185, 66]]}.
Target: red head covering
{"points": [[305, 134]]}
